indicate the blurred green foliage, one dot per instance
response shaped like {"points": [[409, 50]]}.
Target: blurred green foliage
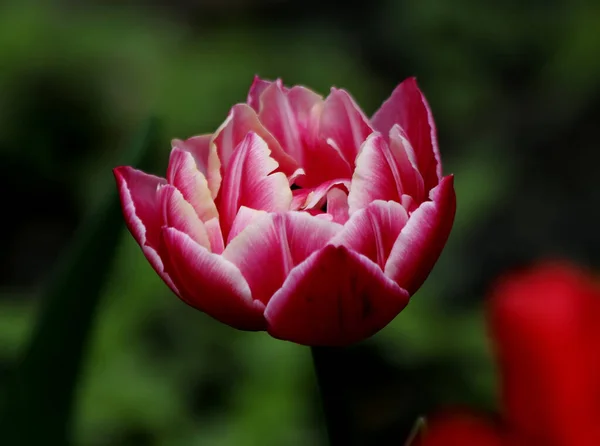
{"points": [[76, 81]]}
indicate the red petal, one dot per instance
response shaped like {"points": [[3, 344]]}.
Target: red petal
{"points": [[183, 173], [206, 158], [249, 182], [461, 430], [372, 231], [335, 297], [408, 108], [343, 122], [143, 213], [267, 250], [210, 283], [545, 327], [242, 120], [422, 239]]}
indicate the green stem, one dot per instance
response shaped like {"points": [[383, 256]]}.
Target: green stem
{"points": [[330, 379]]}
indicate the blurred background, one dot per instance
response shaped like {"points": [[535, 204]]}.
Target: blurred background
{"points": [[515, 91]]}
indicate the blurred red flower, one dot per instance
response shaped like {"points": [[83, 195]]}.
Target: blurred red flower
{"points": [[546, 332]]}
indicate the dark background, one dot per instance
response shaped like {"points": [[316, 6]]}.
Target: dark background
{"points": [[515, 91]]}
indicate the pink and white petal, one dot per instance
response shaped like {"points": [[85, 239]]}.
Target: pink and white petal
{"points": [[249, 182], [215, 235], [422, 239], [343, 121], [183, 173], [256, 89], [337, 205], [277, 115], [335, 297], [372, 231], [179, 214], [143, 214], [244, 217], [314, 197], [206, 158], [267, 250], [408, 108], [405, 158], [141, 208], [210, 283], [241, 120], [376, 176], [307, 107]]}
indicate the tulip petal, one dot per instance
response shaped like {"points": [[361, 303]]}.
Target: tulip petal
{"points": [[215, 235], [406, 161], [377, 175], [277, 115], [143, 214], [372, 231], [323, 162], [408, 108], [210, 283], [249, 182], [244, 217], [180, 214], [422, 239], [343, 121], [337, 205], [256, 89], [545, 327], [183, 173], [313, 197], [206, 158], [267, 250], [461, 430], [241, 120], [335, 297]]}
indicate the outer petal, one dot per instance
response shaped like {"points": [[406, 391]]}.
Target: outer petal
{"points": [[143, 214], [545, 327], [335, 297], [408, 108], [206, 158], [461, 430], [422, 239], [372, 231], [184, 174], [242, 120], [249, 182], [266, 251], [344, 122], [377, 175], [210, 283]]}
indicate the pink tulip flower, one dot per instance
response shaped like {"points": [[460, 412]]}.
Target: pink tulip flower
{"points": [[299, 215]]}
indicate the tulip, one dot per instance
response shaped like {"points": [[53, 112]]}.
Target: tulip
{"points": [[544, 324], [298, 215]]}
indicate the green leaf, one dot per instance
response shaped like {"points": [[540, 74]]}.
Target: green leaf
{"points": [[38, 404]]}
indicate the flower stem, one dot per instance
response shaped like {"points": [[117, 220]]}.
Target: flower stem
{"points": [[331, 379]]}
